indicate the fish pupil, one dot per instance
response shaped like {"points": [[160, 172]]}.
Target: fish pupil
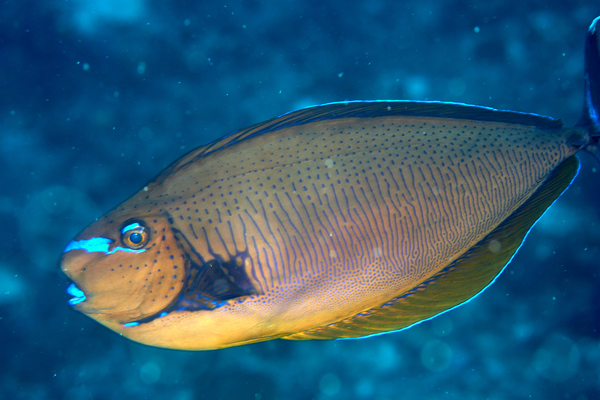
{"points": [[136, 238]]}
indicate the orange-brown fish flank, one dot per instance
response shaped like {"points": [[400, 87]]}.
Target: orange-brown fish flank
{"points": [[364, 196]]}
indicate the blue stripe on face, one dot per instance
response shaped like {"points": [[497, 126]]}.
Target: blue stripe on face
{"points": [[99, 244], [89, 245], [127, 250]]}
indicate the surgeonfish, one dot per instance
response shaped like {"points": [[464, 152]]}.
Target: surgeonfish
{"points": [[342, 220]]}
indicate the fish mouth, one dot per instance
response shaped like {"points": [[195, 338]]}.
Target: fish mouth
{"points": [[78, 295]]}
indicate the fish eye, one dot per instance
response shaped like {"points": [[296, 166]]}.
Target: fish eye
{"points": [[135, 235]]}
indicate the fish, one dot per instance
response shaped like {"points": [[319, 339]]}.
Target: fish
{"points": [[338, 221]]}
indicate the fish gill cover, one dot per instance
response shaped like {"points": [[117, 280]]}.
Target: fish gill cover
{"points": [[100, 95]]}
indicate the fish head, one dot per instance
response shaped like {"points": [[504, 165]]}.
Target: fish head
{"points": [[124, 268]]}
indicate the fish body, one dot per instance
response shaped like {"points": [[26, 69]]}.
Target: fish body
{"points": [[336, 221]]}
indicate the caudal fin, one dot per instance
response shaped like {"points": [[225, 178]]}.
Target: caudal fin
{"points": [[591, 107]]}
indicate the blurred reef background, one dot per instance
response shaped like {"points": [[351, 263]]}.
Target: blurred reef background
{"points": [[97, 96]]}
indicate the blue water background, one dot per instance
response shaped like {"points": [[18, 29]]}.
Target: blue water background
{"points": [[97, 96]]}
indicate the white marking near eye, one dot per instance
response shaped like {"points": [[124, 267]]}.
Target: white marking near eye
{"points": [[127, 250], [130, 227]]}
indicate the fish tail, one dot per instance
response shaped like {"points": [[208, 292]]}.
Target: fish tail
{"points": [[591, 107]]}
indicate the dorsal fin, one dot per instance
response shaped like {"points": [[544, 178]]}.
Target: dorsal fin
{"points": [[462, 280], [365, 109]]}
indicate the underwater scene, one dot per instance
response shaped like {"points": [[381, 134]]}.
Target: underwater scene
{"points": [[100, 96]]}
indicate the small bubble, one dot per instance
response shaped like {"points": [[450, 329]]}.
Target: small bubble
{"points": [[377, 252], [436, 355], [457, 87], [442, 325], [557, 359], [495, 246], [364, 388], [330, 384], [150, 373], [145, 134]]}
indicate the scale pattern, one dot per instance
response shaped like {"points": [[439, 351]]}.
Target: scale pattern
{"points": [[341, 215]]}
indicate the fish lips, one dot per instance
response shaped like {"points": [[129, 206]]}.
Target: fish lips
{"points": [[78, 295]]}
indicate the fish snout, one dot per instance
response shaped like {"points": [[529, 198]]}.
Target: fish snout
{"points": [[74, 261]]}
